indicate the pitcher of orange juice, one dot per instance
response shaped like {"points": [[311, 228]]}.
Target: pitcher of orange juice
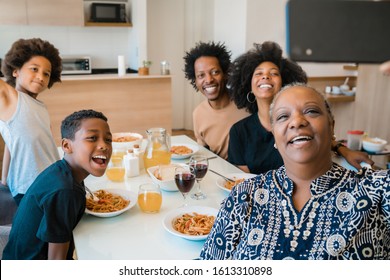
{"points": [[158, 148]]}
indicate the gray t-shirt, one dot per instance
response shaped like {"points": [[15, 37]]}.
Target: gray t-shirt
{"points": [[30, 142]]}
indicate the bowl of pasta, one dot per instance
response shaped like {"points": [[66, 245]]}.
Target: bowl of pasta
{"points": [[190, 222], [110, 203], [182, 151], [236, 177], [122, 141]]}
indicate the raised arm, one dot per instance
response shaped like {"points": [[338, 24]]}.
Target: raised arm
{"points": [[8, 100]]}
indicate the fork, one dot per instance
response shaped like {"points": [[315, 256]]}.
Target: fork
{"points": [[91, 194], [226, 178]]}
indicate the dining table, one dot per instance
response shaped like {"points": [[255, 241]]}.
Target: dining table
{"points": [[135, 235]]}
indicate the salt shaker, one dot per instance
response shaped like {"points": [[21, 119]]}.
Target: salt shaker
{"points": [[140, 154], [131, 164]]}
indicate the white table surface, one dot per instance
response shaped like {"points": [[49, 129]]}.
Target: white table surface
{"points": [[140, 236]]}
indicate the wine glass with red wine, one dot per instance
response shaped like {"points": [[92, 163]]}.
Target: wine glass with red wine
{"points": [[200, 164], [185, 180]]}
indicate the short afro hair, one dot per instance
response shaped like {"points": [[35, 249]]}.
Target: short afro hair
{"points": [[212, 49], [71, 124]]}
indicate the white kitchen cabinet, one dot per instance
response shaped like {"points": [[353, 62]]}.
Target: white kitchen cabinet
{"points": [[55, 12], [42, 12], [13, 12]]}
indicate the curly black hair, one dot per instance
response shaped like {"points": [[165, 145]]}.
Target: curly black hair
{"points": [[71, 124], [242, 68], [212, 49], [23, 50]]}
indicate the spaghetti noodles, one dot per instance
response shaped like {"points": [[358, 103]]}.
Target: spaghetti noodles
{"points": [[229, 185], [181, 150], [107, 202], [196, 224]]}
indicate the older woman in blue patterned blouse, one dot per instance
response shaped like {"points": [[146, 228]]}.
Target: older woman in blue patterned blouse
{"points": [[310, 208]]}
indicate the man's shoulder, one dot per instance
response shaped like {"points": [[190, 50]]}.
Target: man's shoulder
{"points": [[202, 106]]}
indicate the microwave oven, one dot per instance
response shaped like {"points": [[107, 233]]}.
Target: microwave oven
{"points": [[108, 12], [72, 65]]}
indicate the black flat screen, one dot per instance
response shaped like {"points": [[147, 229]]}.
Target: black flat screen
{"points": [[338, 31]]}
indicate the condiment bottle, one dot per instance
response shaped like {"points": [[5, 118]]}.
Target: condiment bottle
{"points": [[140, 154], [354, 141], [131, 164]]}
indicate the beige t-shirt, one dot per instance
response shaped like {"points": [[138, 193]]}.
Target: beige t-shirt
{"points": [[211, 127]]}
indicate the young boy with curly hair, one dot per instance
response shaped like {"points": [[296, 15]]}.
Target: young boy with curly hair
{"points": [[29, 67], [55, 202]]}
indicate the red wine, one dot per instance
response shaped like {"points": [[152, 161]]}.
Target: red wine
{"points": [[200, 170], [184, 182]]}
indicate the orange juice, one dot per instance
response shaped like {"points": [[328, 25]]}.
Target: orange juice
{"points": [[116, 170], [158, 157], [116, 174], [150, 202], [118, 153]]}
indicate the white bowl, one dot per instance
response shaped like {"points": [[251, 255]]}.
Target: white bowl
{"points": [[119, 140], [374, 145], [348, 92], [166, 184], [193, 148]]}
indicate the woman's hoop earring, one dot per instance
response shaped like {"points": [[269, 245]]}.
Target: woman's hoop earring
{"points": [[247, 97]]}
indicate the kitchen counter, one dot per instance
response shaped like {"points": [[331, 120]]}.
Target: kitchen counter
{"points": [[132, 103], [110, 77]]}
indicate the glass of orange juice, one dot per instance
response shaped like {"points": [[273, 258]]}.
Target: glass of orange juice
{"points": [[149, 198], [116, 169]]}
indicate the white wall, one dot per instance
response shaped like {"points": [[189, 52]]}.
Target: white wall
{"points": [[165, 30]]}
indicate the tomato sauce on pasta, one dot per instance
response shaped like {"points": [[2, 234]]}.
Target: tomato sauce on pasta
{"points": [[107, 202]]}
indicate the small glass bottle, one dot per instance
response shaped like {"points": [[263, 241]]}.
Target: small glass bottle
{"points": [[164, 68]]}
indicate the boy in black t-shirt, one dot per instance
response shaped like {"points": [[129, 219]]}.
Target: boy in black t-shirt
{"points": [[55, 202]]}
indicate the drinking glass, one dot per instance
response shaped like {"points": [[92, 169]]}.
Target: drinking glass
{"points": [[116, 169], [185, 180], [149, 198], [200, 164]]}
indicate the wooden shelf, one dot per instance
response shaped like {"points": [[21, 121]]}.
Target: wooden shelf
{"points": [[351, 67], [108, 24], [339, 98]]}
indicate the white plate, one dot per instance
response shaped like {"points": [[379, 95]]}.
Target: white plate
{"points": [[234, 176], [194, 149], [123, 193], [168, 219]]}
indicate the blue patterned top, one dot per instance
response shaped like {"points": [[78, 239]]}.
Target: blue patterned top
{"points": [[347, 217]]}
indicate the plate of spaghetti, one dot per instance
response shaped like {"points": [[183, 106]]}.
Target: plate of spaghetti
{"points": [[112, 202], [182, 151], [237, 177], [190, 222]]}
